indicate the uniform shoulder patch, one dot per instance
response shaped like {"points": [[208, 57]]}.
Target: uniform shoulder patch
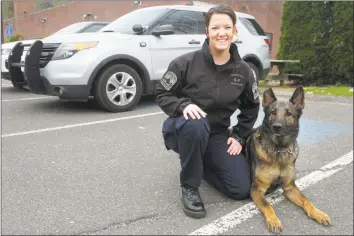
{"points": [[168, 80], [255, 90]]}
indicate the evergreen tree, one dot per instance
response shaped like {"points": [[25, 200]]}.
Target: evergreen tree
{"points": [[341, 42], [320, 35], [296, 42], [322, 26]]}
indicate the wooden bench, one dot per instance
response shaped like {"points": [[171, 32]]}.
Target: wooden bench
{"points": [[281, 76], [296, 77]]}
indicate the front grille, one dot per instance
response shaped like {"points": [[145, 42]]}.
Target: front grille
{"points": [[48, 51]]}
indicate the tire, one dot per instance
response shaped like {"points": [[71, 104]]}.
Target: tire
{"points": [[112, 80], [255, 71]]}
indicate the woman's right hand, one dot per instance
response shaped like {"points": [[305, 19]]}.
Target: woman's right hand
{"points": [[193, 111]]}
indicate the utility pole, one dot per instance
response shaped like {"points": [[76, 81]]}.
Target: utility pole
{"points": [[2, 22]]}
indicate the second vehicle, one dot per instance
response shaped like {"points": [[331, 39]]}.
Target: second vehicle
{"points": [[76, 28]]}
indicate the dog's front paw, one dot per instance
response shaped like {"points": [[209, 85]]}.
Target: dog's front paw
{"points": [[321, 217], [274, 224]]}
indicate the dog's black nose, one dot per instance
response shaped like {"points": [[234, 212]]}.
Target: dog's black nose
{"points": [[277, 127]]}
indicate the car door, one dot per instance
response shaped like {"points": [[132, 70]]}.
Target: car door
{"points": [[188, 36]]}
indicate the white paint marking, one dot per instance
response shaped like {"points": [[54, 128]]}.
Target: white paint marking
{"points": [[6, 85], [247, 211], [26, 99], [80, 125]]}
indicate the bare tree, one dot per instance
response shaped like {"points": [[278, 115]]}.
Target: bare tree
{"points": [[45, 4], [2, 23]]}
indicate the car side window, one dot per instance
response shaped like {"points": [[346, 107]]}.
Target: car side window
{"points": [[201, 22], [185, 22]]}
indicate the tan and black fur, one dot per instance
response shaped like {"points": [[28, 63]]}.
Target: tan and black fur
{"points": [[273, 150]]}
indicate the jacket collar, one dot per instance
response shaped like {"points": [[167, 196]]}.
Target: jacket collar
{"points": [[207, 55]]}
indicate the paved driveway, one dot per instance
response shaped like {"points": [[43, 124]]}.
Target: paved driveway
{"points": [[70, 168]]}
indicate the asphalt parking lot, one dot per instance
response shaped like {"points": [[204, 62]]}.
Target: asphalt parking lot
{"points": [[71, 168]]}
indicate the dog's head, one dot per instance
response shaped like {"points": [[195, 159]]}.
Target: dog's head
{"points": [[281, 121]]}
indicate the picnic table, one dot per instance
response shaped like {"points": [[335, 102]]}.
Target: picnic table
{"points": [[281, 76]]}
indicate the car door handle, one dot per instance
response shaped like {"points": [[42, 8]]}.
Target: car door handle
{"points": [[194, 42]]}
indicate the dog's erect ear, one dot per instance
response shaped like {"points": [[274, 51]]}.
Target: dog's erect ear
{"points": [[268, 97], [298, 98]]}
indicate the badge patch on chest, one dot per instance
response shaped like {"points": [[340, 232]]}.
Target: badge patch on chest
{"points": [[255, 90], [168, 80]]}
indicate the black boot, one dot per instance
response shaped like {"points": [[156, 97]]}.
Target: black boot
{"points": [[193, 204]]}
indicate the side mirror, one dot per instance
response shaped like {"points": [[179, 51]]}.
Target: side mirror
{"points": [[163, 30], [138, 28]]}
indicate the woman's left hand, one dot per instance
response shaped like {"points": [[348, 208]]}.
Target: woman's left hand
{"points": [[235, 147]]}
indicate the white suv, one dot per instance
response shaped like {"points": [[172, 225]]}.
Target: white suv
{"points": [[123, 60]]}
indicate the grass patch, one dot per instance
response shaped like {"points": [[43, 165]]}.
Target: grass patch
{"points": [[335, 90], [331, 90]]}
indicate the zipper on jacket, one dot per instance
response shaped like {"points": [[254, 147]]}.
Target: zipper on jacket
{"points": [[217, 90]]}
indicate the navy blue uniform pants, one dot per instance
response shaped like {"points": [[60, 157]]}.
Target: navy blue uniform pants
{"points": [[204, 155]]}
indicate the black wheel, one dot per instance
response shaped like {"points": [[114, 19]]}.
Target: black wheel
{"points": [[255, 71], [118, 88]]}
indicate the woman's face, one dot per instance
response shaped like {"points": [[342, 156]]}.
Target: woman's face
{"points": [[220, 32]]}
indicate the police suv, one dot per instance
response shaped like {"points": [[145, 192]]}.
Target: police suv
{"points": [[121, 62]]}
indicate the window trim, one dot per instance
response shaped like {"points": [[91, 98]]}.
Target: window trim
{"points": [[172, 11]]}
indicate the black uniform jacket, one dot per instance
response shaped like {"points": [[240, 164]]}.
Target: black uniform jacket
{"points": [[219, 90]]}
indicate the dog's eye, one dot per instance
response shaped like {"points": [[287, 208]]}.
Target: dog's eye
{"points": [[273, 112], [288, 113]]}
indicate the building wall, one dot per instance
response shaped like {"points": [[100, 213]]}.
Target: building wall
{"points": [[31, 25], [21, 8]]}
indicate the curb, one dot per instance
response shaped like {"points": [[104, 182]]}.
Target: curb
{"points": [[313, 97]]}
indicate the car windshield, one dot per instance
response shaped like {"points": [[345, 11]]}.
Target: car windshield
{"points": [[144, 16]]}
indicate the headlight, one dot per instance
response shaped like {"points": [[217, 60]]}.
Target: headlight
{"points": [[67, 50], [5, 51]]}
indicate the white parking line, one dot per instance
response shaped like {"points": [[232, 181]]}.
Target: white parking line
{"points": [[25, 99], [247, 211], [79, 125]]}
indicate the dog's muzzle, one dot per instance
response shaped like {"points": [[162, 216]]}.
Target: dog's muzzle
{"points": [[277, 129]]}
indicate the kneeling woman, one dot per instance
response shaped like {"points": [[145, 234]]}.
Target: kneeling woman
{"points": [[199, 92]]}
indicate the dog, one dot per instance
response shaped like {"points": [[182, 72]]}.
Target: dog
{"points": [[272, 149]]}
